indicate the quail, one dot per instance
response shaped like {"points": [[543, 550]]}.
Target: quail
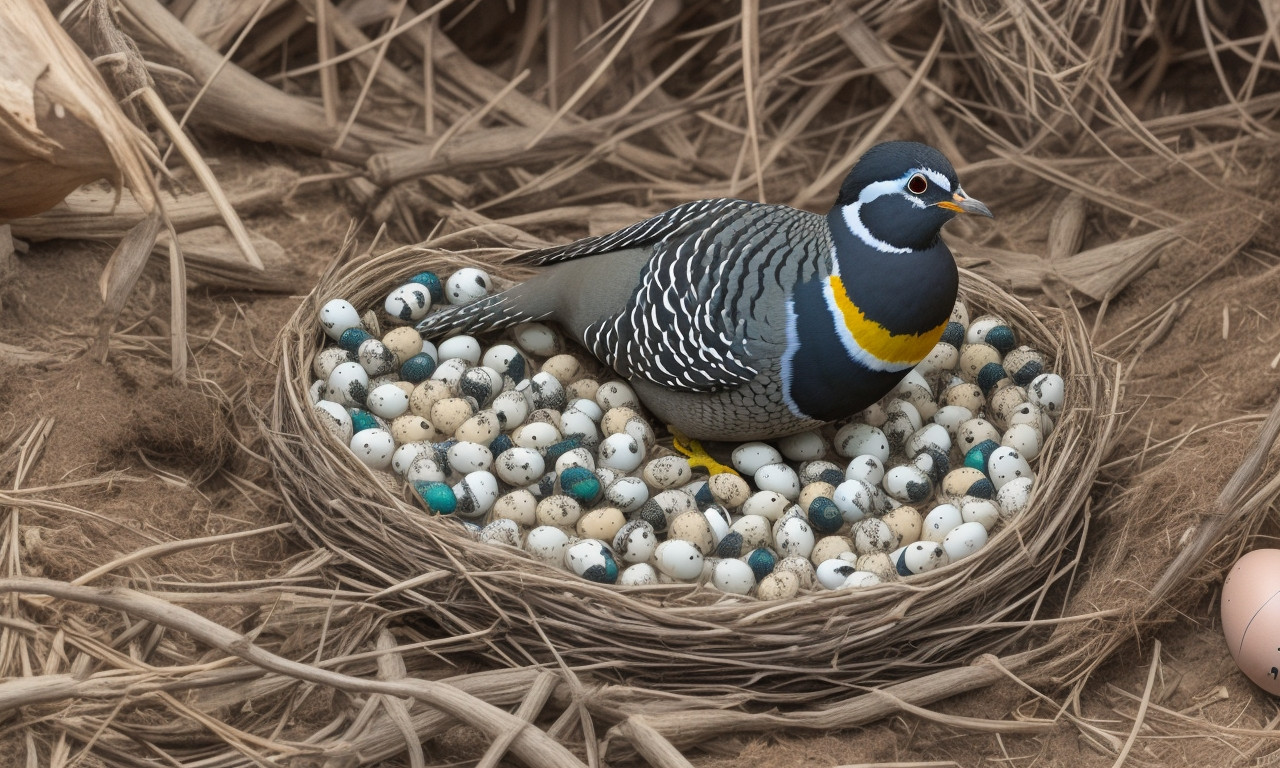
{"points": [[737, 320]]}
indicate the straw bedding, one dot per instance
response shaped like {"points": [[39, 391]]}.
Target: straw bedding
{"points": [[687, 638]]}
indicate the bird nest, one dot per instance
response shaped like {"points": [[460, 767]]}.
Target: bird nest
{"points": [[690, 638]]}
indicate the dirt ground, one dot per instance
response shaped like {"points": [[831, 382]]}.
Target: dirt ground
{"points": [[160, 445]]}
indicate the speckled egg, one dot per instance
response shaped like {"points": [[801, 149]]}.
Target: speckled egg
{"points": [[635, 541], [804, 446], [519, 466], [878, 563], [874, 535], [502, 531], [733, 576], [692, 526], [626, 493], [964, 540], [1048, 391], [920, 557], [544, 391], [749, 457], [867, 468], [591, 560], [511, 408], [518, 505], [908, 484], [335, 418], [507, 360], [476, 492], [1024, 364], [975, 431], [373, 447], [977, 330], [638, 575], [1006, 464], [906, 523], [667, 472], [1024, 438], [940, 521], [602, 523], [450, 372], [976, 510], [617, 394], [855, 499], [460, 348], [802, 568], [348, 385], [963, 394], [375, 358], [779, 585], [858, 439], [621, 452], [767, 504], [679, 559], [336, 316], [538, 435], [780, 479], [861, 580], [833, 573], [558, 509], [467, 457], [327, 359], [405, 455], [930, 436], [467, 285], [963, 481], [408, 303], [480, 383], [387, 401], [950, 417], [574, 457], [793, 537], [1014, 497], [729, 490], [548, 544], [424, 469]]}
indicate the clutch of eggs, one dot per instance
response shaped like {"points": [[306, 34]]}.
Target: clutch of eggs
{"points": [[517, 440]]}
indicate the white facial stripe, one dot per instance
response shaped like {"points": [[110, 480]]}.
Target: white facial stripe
{"points": [[856, 352], [937, 178], [880, 188], [854, 221]]}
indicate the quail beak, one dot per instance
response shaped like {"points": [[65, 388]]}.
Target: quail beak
{"points": [[962, 204]]}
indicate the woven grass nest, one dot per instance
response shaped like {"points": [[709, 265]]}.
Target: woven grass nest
{"points": [[688, 638]]}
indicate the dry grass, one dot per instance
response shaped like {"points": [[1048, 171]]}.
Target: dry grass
{"points": [[479, 128]]}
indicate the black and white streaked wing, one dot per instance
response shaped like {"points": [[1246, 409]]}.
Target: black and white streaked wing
{"points": [[669, 224], [708, 303]]}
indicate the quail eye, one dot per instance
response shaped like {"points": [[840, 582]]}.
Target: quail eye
{"points": [[917, 184]]}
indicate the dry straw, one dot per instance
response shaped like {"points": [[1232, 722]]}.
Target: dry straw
{"points": [[689, 638]]}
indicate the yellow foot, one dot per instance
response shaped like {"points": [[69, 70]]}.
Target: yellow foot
{"points": [[698, 456]]}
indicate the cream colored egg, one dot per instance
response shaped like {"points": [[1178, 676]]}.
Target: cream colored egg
{"points": [[603, 523], [729, 490], [779, 585], [558, 510]]}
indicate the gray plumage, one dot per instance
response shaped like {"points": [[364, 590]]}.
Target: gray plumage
{"points": [[689, 306]]}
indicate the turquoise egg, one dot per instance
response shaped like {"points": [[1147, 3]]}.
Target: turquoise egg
{"points": [[352, 338], [991, 375], [582, 485], [556, 450], [1001, 337], [362, 419], [977, 456], [418, 368], [762, 562], [438, 497], [433, 283], [603, 573], [825, 516]]}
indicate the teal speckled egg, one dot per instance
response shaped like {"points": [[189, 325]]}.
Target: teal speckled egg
{"points": [[762, 562], [362, 420], [435, 286], [438, 497], [977, 455], [352, 338], [825, 516], [582, 485], [1001, 337], [418, 368]]}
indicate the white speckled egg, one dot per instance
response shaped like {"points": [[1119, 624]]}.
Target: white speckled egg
{"points": [[675, 502], [861, 579], [1005, 464], [794, 538], [940, 521], [975, 431], [638, 575], [374, 447], [499, 357], [548, 544], [501, 531], [327, 359], [467, 285], [802, 568], [804, 446], [678, 559], [537, 339], [578, 457], [573, 422], [476, 492], [1023, 438], [590, 559], [950, 417], [348, 385], [511, 408], [733, 576], [767, 504], [976, 510], [460, 348], [964, 540], [719, 519], [667, 472], [635, 542], [779, 478], [855, 499], [480, 383], [424, 469], [866, 468], [336, 419], [858, 439], [543, 391], [908, 484], [617, 394], [450, 372], [976, 331], [626, 493], [621, 452], [408, 303], [518, 466], [387, 401], [375, 358], [1048, 391], [430, 350], [405, 455], [538, 435], [933, 436], [833, 573], [920, 557], [874, 535], [589, 408], [1014, 497], [751, 532], [336, 316]]}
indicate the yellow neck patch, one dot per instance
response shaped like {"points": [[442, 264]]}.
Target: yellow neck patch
{"points": [[875, 339]]}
